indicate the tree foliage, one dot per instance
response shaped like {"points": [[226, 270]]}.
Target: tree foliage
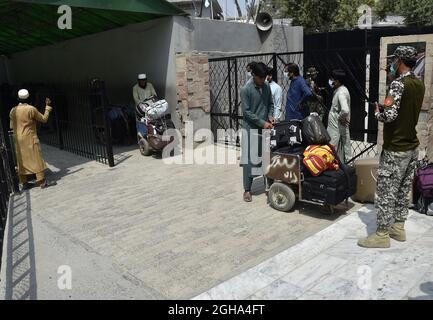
{"points": [[419, 12], [332, 15], [313, 15]]}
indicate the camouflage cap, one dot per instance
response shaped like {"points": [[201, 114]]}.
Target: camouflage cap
{"points": [[406, 52], [312, 70]]}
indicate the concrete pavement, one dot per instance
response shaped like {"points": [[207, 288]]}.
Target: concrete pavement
{"points": [[143, 229], [330, 266]]}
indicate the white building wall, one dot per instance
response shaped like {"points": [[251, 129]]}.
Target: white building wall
{"points": [[118, 55]]}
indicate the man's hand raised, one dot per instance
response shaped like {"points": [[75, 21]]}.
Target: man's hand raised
{"points": [[268, 125]]}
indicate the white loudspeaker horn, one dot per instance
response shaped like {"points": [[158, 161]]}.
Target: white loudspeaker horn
{"points": [[264, 21]]}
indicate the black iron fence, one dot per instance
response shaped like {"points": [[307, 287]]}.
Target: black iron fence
{"points": [[80, 119], [80, 122], [8, 180], [228, 75]]}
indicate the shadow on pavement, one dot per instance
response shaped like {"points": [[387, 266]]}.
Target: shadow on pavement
{"points": [[369, 219], [320, 212], [426, 287], [20, 279], [311, 210]]}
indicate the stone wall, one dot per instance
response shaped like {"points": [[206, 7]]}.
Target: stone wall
{"points": [[425, 122], [193, 98]]}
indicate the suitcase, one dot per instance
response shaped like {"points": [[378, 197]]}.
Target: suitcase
{"points": [[366, 170], [424, 179], [295, 150], [286, 133], [331, 187]]}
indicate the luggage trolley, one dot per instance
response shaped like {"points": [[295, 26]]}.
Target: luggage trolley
{"points": [[286, 184], [152, 120], [283, 179]]}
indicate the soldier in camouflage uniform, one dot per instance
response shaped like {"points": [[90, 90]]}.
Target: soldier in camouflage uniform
{"points": [[315, 104], [399, 114]]}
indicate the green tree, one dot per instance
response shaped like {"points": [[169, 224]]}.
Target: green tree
{"points": [[313, 15], [384, 8], [346, 14], [419, 12], [332, 15]]}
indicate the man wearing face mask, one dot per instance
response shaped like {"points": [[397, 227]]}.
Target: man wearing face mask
{"points": [[298, 93], [339, 115], [399, 114], [142, 90], [277, 95], [258, 112], [249, 74]]}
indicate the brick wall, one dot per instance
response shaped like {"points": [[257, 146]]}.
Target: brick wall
{"points": [[192, 80], [425, 122]]}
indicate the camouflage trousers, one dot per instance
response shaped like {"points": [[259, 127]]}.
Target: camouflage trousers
{"points": [[394, 182]]}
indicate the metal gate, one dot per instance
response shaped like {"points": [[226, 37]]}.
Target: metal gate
{"points": [[228, 75], [79, 122]]}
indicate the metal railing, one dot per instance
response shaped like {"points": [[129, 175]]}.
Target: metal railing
{"points": [[228, 75], [8, 181], [79, 123]]}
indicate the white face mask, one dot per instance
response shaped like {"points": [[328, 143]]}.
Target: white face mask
{"points": [[249, 74], [331, 83], [286, 75]]}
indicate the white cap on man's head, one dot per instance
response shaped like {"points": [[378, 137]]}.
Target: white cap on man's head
{"points": [[142, 76], [23, 94]]}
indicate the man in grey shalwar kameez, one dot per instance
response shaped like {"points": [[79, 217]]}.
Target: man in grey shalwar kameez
{"points": [[258, 113], [339, 116]]}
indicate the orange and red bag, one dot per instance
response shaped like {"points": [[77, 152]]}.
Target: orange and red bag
{"points": [[320, 158]]}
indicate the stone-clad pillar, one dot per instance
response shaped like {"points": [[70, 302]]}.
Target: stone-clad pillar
{"points": [[193, 97]]}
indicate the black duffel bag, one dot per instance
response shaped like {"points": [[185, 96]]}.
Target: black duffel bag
{"points": [[314, 132]]}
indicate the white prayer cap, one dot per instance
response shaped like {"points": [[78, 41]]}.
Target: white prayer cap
{"points": [[142, 76], [23, 94]]}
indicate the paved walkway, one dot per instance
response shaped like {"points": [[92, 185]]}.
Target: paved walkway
{"points": [[329, 265], [142, 229]]}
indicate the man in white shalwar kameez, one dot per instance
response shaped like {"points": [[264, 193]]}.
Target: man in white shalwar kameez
{"points": [[339, 116]]}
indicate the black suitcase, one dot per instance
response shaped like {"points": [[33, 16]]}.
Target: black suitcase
{"points": [[295, 150], [331, 187], [286, 133]]}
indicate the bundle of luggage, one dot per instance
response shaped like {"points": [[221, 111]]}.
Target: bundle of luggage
{"points": [[424, 189], [310, 136], [326, 178], [152, 109]]}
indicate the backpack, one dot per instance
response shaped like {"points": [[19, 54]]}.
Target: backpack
{"points": [[314, 132], [320, 158]]}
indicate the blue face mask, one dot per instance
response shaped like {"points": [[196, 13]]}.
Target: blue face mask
{"points": [[393, 69]]}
